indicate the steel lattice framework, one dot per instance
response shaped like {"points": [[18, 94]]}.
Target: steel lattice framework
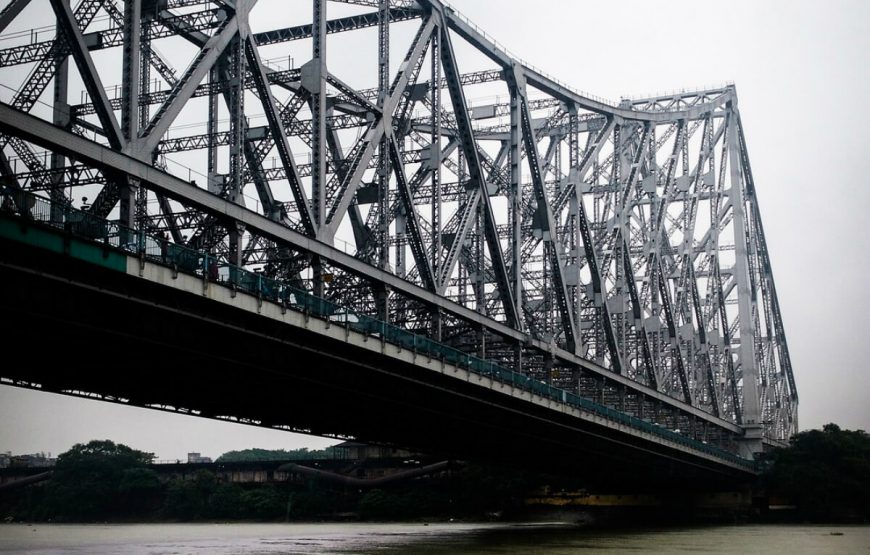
{"points": [[602, 247]]}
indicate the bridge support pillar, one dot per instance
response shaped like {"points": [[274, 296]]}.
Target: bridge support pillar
{"points": [[750, 443]]}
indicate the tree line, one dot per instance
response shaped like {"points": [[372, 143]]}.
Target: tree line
{"points": [[824, 474], [266, 455], [105, 481]]}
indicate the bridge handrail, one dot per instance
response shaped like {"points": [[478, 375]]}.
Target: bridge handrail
{"points": [[193, 262]]}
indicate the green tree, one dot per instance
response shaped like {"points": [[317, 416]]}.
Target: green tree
{"points": [[259, 455], [139, 490], [97, 480], [826, 473], [226, 502], [263, 503], [189, 499]]}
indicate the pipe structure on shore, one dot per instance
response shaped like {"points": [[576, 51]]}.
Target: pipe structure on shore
{"points": [[36, 478], [361, 482]]}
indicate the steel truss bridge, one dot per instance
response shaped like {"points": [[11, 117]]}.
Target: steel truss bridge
{"points": [[603, 257]]}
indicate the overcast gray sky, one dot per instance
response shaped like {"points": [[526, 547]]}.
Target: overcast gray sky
{"points": [[801, 70]]}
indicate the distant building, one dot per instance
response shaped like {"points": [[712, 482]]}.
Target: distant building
{"points": [[5, 459], [197, 458], [35, 460]]}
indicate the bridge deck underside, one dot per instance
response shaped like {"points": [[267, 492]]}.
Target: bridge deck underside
{"points": [[139, 341]]}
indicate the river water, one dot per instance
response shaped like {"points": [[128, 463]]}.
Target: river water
{"points": [[432, 539]]}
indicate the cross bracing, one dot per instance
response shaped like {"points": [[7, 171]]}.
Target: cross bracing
{"points": [[424, 176]]}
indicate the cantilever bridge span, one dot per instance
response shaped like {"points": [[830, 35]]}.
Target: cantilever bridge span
{"points": [[406, 263]]}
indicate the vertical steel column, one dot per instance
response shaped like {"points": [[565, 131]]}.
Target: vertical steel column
{"points": [[435, 151], [238, 124], [623, 177], [145, 67], [516, 202], [383, 172], [401, 240], [573, 214], [131, 71], [318, 113], [746, 352], [145, 54], [237, 62], [463, 200], [552, 300], [383, 152], [477, 286], [61, 118], [130, 102], [317, 87], [212, 123]]}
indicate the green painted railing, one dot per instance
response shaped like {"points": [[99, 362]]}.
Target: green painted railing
{"points": [[186, 260]]}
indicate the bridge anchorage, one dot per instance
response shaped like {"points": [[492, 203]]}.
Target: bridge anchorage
{"points": [[609, 256]]}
